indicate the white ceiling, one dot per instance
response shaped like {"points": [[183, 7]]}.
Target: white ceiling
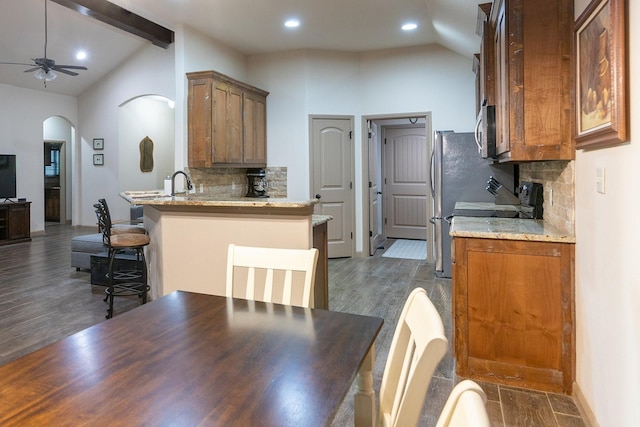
{"points": [[249, 26]]}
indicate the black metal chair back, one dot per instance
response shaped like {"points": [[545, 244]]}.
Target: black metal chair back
{"points": [[104, 223]]}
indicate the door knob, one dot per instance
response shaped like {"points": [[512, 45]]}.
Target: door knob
{"points": [[318, 196]]}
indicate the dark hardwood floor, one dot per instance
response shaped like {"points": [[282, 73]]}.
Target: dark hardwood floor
{"points": [[44, 299]]}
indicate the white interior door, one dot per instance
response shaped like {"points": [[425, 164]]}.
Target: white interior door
{"points": [[376, 235], [332, 162], [406, 178]]}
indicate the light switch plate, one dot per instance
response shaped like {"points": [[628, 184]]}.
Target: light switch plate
{"points": [[600, 180]]}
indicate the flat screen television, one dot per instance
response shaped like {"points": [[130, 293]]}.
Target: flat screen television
{"points": [[7, 176]]}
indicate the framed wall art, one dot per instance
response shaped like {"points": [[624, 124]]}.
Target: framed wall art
{"points": [[98, 143], [98, 159], [602, 97]]}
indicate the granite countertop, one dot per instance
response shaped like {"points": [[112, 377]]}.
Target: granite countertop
{"points": [[320, 219], [505, 228], [159, 198], [485, 206], [508, 229]]}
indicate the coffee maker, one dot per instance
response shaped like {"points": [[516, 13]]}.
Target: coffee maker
{"points": [[531, 200], [257, 183]]}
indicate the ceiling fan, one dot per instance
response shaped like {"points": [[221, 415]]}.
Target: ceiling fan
{"points": [[45, 68]]}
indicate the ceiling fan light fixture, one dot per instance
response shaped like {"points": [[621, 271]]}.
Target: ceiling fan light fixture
{"points": [[46, 76]]}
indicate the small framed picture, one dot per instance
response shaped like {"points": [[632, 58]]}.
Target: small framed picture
{"points": [[98, 159], [98, 143]]}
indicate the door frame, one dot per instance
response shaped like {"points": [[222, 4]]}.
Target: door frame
{"points": [[365, 173], [351, 118]]}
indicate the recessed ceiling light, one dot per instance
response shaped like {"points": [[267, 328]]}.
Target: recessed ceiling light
{"points": [[409, 26], [292, 23], [81, 54]]}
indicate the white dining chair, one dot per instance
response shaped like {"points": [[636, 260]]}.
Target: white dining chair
{"points": [[269, 262], [465, 407], [418, 345]]}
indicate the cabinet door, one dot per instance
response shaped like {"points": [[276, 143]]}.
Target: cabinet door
{"points": [[513, 311], [18, 221], [255, 129], [199, 123], [227, 124], [487, 66], [502, 82]]}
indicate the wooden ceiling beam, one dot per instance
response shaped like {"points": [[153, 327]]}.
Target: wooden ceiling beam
{"points": [[118, 17]]}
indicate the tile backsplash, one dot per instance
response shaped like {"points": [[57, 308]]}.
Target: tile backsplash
{"points": [[557, 179], [232, 182]]}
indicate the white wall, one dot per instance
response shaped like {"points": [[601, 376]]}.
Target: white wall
{"points": [[139, 118], [303, 83], [607, 279], [22, 114], [427, 78], [150, 71]]}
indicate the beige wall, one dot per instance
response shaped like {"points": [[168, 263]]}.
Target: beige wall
{"points": [[607, 278]]}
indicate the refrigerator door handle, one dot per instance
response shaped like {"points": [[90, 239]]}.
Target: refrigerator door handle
{"points": [[431, 171]]}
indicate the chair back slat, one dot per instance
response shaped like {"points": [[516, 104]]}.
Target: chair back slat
{"points": [[268, 286]]}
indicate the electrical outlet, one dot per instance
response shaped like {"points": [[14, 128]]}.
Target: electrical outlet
{"points": [[600, 172]]}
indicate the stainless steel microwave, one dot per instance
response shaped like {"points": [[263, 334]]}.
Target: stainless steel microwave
{"points": [[486, 131]]}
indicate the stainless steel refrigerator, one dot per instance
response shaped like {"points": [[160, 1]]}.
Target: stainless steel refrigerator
{"points": [[459, 174]]}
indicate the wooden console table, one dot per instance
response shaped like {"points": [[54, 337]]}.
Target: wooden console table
{"points": [[15, 222]]}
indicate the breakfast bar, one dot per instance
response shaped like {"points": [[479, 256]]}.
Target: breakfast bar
{"points": [[190, 236]]}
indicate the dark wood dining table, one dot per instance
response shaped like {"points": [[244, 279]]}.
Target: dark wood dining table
{"points": [[191, 359]]}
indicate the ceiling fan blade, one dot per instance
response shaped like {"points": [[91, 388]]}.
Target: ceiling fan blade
{"points": [[32, 69], [17, 63], [62, 70], [72, 67]]}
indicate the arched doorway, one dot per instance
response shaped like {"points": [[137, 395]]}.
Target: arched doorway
{"points": [[150, 118], [58, 134]]}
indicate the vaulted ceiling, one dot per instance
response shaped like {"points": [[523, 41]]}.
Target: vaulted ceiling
{"points": [[249, 26]]}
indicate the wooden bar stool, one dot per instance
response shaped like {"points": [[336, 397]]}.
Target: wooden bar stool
{"points": [[123, 282]]}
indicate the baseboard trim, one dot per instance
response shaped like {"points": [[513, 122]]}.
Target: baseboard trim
{"points": [[583, 407]]}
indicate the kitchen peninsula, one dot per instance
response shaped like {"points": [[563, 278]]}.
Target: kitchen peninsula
{"points": [[190, 236]]}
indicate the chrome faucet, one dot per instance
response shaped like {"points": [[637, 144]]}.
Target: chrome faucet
{"points": [[173, 182]]}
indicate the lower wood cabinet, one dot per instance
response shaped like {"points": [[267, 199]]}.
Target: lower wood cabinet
{"points": [[15, 222], [513, 309], [321, 283], [52, 204]]}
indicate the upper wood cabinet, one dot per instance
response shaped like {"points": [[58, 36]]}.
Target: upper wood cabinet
{"points": [[227, 122], [484, 61], [531, 80]]}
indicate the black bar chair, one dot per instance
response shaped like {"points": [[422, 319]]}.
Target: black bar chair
{"points": [[125, 281]]}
